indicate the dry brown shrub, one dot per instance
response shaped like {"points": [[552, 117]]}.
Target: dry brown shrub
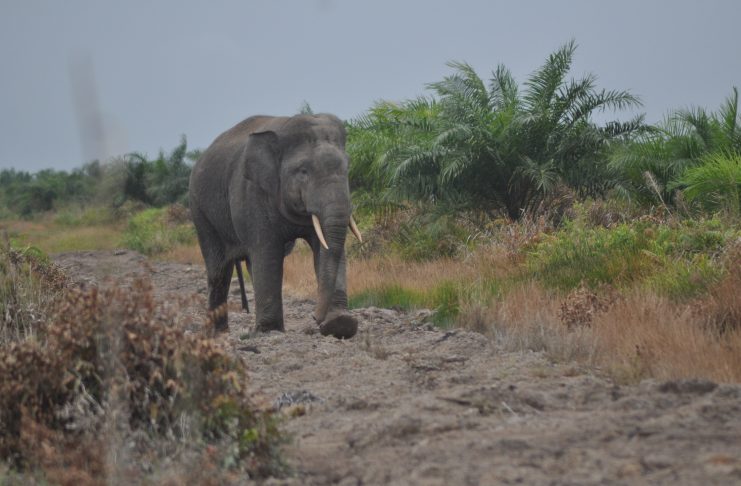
{"points": [[177, 214], [581, 305], [29, 286], [557, 205], [608, 213], [117, 363]]}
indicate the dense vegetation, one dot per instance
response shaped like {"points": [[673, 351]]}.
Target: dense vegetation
{"points": [[495, 147], [131, 178], [499, 147]]}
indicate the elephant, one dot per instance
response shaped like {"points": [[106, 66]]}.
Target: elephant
{"points": [[259, 187]]}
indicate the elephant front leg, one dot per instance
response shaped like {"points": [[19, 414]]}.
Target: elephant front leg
{"points": [[267, 283]]}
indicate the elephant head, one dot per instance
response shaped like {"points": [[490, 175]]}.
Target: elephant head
{"points": [[301, 163]]}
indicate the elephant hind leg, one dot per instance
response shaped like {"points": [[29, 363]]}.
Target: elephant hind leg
{"points": [[218, 270]]}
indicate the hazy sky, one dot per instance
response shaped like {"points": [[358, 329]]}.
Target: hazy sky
{"points": [[141, 73]]}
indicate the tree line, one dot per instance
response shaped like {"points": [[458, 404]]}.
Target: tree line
{"points": [[472, 144], [133, 177]]}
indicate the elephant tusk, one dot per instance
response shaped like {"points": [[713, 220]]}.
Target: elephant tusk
{"points": [[318, 229], [355, 230]]}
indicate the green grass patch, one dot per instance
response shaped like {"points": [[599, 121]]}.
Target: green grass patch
{"points": [[151, 232], [593, 255], [389, 297], [678, 260], [84, 216], [445, 299], [684, 279]]}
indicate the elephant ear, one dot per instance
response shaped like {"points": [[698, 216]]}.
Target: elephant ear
{"points": [[262, 155]]}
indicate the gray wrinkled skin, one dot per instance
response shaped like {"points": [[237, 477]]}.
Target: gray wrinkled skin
{"points": [[252, 194]]}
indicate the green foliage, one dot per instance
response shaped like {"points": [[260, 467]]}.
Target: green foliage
{"points": [[389, 297], [429, 237], [715, 184], [26, 194], [446, 299], [652, 168], [490, 147], [683, 278], [593, 255], [676, 259], [158, 182], [153, 231]]}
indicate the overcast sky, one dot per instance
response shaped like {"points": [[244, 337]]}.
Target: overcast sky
{"points": [[141, 73]]}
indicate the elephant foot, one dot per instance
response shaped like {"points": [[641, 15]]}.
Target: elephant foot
{"points": [[270, 326], [339, 324]]}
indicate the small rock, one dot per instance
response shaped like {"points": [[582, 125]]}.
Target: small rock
{"points": [[295, 397]]}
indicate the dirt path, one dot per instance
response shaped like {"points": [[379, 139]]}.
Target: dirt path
{"points": [[403, 403]]}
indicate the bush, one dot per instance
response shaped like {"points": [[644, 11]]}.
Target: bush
{"points": [[108, 365], [715, 184], [157, 230], [595, 255], [424, 239], [29, 285], [677, 259]]}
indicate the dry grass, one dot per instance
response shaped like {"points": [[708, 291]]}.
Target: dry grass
{"points": [[380, 271], [186, 254], [639, 335], [527, 318], [649, 336]]}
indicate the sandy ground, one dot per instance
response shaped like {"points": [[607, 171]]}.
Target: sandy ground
{"points": [[405, 403]]}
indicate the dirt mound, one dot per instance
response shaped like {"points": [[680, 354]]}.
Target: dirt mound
{"points": [[403, 402]]}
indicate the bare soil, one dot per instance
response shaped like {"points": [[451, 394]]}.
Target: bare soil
{"points": [[406, 403]]}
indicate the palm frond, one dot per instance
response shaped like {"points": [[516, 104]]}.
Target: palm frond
{"points": [[587, 104], [730, 122], [542, 85], [503, 91]]}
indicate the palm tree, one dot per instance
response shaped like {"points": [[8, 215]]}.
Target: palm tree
{"points": [[491, 147], [715, 184], [662, 154], [161, 181]]}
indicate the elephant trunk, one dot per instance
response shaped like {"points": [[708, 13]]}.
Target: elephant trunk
{"points": [[331, 269]]}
